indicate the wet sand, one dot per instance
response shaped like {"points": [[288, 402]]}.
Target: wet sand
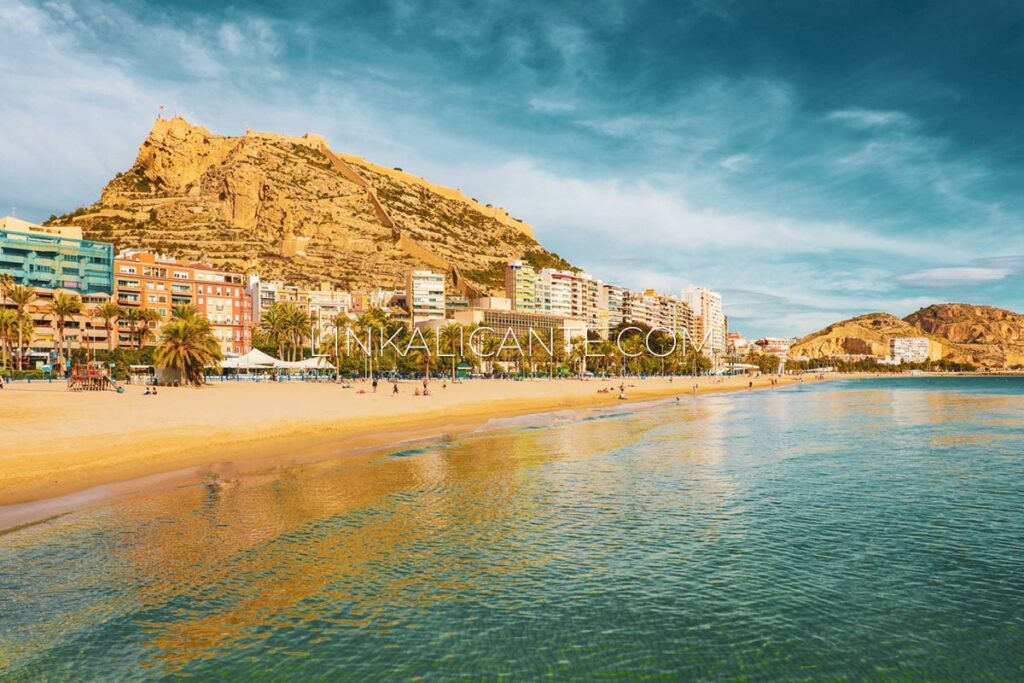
{"points": [[59, 443]]}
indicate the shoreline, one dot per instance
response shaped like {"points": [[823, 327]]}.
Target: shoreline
{"points": [[60, 465]]}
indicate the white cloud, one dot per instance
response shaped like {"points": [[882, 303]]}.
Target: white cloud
{"points": [[944, 277], [869, 118]]}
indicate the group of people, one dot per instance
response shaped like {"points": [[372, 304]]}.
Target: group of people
{"points": [[150, 391]]}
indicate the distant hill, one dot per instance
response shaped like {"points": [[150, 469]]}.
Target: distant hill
{"points": [[983, 335], [865, 335], [291, 208], [992, 336]]}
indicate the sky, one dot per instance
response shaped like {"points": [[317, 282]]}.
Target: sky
{"points": [[809, 160]]}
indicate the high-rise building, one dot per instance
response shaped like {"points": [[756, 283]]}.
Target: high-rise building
{"points": [[612, 299], [521, 287], [909, 349], [425, 296], [708, 318]]}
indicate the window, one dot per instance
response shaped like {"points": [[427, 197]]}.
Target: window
{"points": [[127, 269]]}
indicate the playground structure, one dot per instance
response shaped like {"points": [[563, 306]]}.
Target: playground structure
{"points": [[92, 376]]}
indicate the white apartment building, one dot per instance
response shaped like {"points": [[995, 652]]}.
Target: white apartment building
{"points": [[611, 299], [908, 349], [425, 296], [709, 319]]}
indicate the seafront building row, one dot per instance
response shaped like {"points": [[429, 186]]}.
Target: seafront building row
{"points": [[148, 287]]}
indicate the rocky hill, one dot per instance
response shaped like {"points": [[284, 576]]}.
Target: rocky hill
{"points": [[290, 208], [983, 335], [864, 335], [992, 336]]}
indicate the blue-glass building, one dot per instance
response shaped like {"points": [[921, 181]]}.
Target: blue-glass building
{"points": [[56, 261]]}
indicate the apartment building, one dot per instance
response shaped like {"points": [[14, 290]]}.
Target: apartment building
{"points": [[908, 349], [55, 257], [161, 283], [523, 288], [709, 319], [221, 296], [425, 296]]}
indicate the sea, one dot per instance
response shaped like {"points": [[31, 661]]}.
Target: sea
{"points": [[848, 530]]}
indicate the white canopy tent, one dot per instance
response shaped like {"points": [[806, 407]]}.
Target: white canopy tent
{"points": [[256, 360], [314, 363]]}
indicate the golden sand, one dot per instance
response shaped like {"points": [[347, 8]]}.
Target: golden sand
{"points": [[54, 442]]}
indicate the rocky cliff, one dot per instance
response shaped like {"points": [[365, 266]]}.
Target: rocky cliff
{"points": [[992, 336], [290, 208], [983, 335]]}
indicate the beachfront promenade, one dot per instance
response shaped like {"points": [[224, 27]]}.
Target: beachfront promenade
{"points": [[57, 442]]}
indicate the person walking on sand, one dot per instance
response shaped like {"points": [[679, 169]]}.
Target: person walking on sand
{"points": [[750, 384], [394, 389], [374, 385]]}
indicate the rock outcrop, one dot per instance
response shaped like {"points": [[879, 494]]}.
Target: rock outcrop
{"points": [[992, 336], [866, 335], [290, 208], [982, 335]]}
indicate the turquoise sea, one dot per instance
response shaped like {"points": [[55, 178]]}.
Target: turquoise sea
{"points": [[850, 530]]}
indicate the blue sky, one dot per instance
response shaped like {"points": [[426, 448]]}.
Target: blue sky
{"points": [[811, 161]]}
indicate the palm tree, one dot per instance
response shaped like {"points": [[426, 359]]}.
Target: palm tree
{"points": [[272, 324], [9, 326], [185, 311], [6, 285], [189, 346], [64, 306], [297, 325], [148, 317], [21, 296], [109, 312]]}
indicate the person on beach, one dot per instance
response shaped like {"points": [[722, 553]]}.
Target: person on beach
{"points": [[424, 384], [695, 387], [375, 385], [394, 389]]}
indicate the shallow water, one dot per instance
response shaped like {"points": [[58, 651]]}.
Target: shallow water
{"points": [[850, 530]]}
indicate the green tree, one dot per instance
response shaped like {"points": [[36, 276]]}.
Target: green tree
{"points": [[64, 306], [189, 346], [22, 297], [109, 312]]}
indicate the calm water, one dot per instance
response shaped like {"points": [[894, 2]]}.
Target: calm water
{"points": [[861, 530]]}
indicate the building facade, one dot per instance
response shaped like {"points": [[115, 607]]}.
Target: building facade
{"points": [[425, 296], [909, 349], [55, 258], [709, 319]]}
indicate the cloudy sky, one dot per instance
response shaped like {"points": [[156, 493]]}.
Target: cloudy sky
{"points": [[811, 161]]}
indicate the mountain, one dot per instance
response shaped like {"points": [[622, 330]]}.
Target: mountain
{"points": [[291, 208], [865, 335], [992, 336], [983, 335]]}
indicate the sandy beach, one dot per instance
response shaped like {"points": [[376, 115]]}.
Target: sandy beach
{"points": [[57, 442]]}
